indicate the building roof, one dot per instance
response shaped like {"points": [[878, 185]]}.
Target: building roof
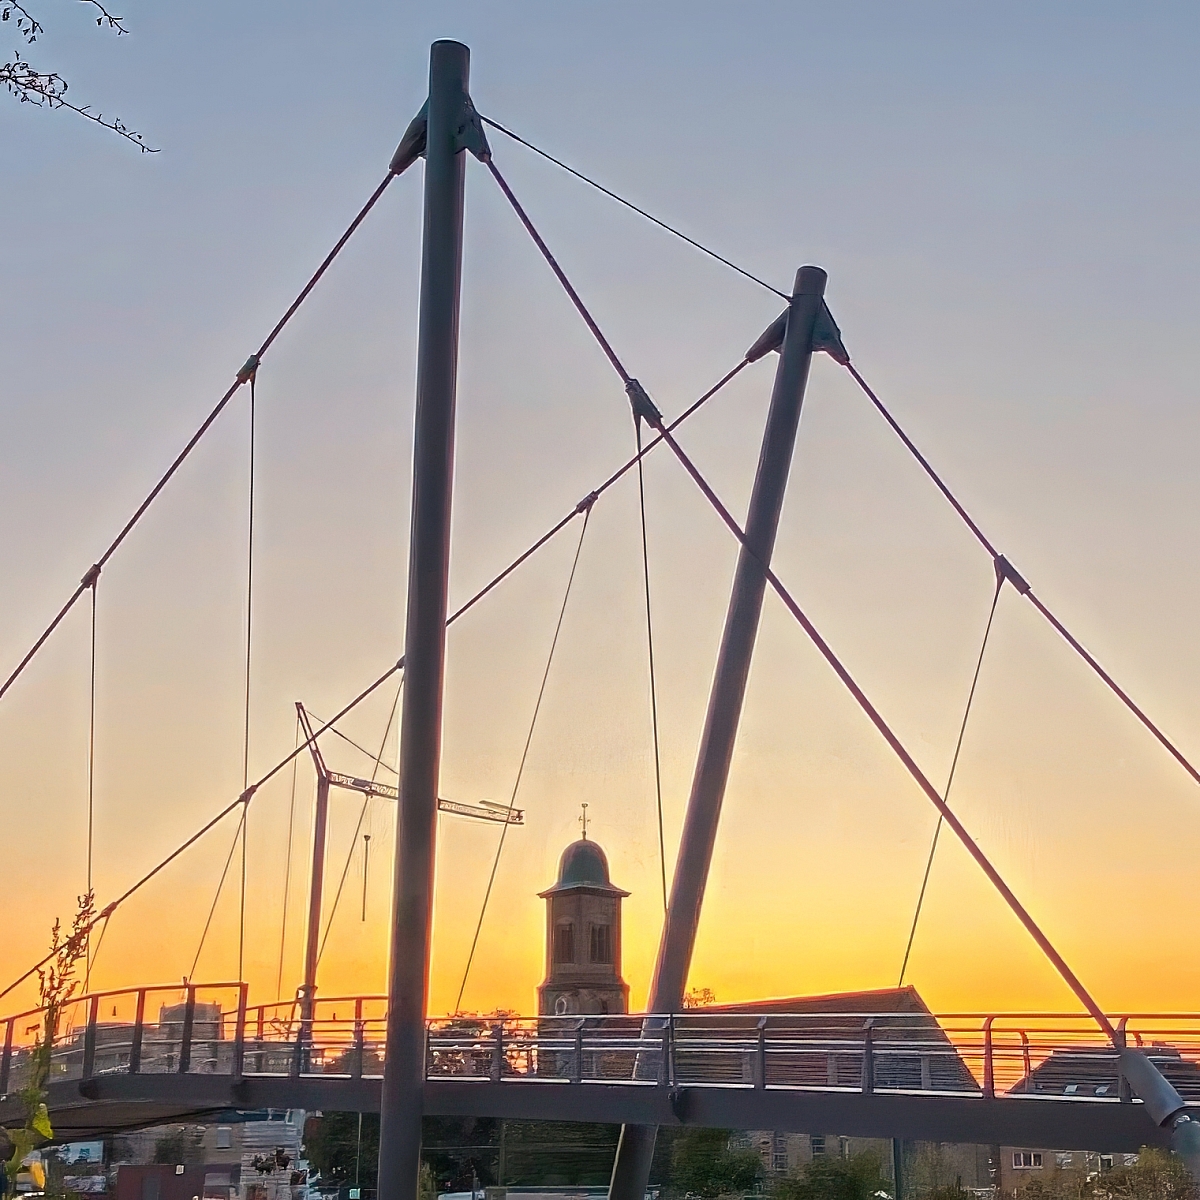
{"points": [[882, 1000], [1094, 1071], [583, 865]]}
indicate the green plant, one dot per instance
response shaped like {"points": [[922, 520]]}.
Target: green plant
{"points": [[57, 984]]}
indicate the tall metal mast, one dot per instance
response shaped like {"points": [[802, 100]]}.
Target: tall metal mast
{"points": [[451, 126], [797, 327]]}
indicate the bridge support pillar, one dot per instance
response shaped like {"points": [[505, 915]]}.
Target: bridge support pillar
{"points": [[451, 126], [631, 1168]]}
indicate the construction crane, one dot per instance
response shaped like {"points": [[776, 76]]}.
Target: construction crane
{"points": [[485, 810]]}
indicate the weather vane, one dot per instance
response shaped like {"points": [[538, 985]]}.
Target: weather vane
{"points": [[583, 820]]}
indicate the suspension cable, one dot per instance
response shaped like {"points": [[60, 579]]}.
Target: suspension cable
{"points": [[537, 708], [662, 845], [243, 376], [962, 729], [656, 422], [237, 833], [1025, 589], [558, 271], [387, 766], [361, 817], [287, 870], [91, 780], [245, 823], [630, 205], [1019, 910], [487, 588]]}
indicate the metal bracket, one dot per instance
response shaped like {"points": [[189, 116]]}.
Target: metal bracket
{"points": [[412, 144], [1005, 570], [643, 407], [826, 336], [468, 136]]}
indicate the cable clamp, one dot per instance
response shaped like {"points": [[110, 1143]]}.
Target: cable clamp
{"points": [[92, 576], [585, 505], [1005, 570], [642, 405], [248, 794], [105, 913], [249, 367]]}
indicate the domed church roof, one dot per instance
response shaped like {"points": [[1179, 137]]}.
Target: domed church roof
{"points": [[584, 865]]}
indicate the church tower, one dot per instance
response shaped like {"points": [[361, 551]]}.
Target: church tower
{"points": [[583, 936]]}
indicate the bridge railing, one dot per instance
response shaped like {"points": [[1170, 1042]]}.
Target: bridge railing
{"points": [[211, 1029]]}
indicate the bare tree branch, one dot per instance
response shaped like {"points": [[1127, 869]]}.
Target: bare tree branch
{"points": [[105, 17], [49, 91]]}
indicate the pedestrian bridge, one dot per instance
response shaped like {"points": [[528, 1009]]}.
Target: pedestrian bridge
{"points": [[143, 1056]]}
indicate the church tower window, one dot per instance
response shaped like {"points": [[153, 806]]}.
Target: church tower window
{"points": [[564, 943], [601, 950]]}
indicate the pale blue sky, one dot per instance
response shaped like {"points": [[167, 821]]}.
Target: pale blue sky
{"points": [[1005, 200]]}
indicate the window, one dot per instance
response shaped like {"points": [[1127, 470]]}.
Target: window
{"points": [[564, 943], [1106, 1162], [1027, 1160], [601, 947], [1065, 1160], [224, 1137], [817, 1142]]}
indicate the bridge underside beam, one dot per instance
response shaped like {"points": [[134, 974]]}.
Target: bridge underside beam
{"points": [[133, 1101]]}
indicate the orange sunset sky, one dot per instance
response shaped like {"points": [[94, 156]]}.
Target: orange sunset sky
{"points": [[1009, 233]]}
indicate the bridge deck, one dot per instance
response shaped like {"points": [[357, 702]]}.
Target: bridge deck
{"points": [[1042, 1080]]}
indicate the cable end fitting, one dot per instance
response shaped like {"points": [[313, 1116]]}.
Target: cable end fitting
{"points": [[248, 794], [249, 367], [643, 407], [92, 577], [1005, 570], [585, 505], [107, 912]]}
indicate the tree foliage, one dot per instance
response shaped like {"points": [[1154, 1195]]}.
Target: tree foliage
{"points": [[702, 1164], [859, 1177], [48, 89], [1157, 1175]]}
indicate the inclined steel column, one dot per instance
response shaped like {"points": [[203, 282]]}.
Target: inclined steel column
{"points": [[425, 643], [631, 1168]]}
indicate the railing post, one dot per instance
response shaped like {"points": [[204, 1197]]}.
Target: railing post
{"points": [[672, 1073], [577, 1058], [185, 1040], [1120, 1041], [135, 1041], [989, 1063], [6, 1056], [664, 1061], [360, 1043], [497, 1068], [259, 1034], [868, 1062], [760, 1063], [89, 1038], [1026, 1059], [239, 1032]]}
